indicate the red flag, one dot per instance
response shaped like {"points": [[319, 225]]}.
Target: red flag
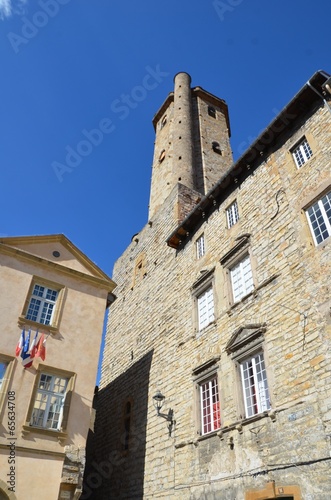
{"points": [[34, 346], [41, 349], [20, 343]]}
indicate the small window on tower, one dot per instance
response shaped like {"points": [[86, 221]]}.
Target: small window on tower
{"points": [[162, 156], [216, 148], [212, 111], [164, 121], [139, 271]]}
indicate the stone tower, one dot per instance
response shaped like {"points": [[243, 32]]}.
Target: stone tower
{"points": [[223, 305], [192, 145]]}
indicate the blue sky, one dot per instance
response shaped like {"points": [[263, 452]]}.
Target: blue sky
{"points": [[72, 66]]}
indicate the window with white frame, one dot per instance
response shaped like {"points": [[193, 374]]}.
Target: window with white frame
{"points": [[206, 308], [42, 304], [47, 412], [247, 351], [254, 385], [302, 152], [319, 218], [209, 405], [200, 246], [241, 278], [232, 214]]}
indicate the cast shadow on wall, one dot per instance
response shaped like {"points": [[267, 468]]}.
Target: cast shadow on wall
{"points": [[115, 451]]}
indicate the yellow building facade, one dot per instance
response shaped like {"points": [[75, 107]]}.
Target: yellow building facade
{"points": [[50, 291]]}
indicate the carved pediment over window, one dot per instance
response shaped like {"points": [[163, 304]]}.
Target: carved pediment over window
{"points": [[241, 245], [205, 274], [245, 338]]}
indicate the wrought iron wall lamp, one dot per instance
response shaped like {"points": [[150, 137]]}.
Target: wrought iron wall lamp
{"points": [[158, 403]]}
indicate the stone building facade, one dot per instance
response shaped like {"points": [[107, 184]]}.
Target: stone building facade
{"points": [[53, 292], [223, 306]]}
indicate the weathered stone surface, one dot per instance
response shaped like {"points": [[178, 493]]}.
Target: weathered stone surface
{"points": [[153, 343]]}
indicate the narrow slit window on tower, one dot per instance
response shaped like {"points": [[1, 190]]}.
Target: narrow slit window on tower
{"points": [[216, 147], [162, 156], [212, 111], [164, 121]]}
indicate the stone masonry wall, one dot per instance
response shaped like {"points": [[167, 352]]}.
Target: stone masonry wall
{"points": [[289, 445]]}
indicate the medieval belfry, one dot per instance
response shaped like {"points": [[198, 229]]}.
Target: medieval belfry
{"points": [[216, 370], [187, 137]]}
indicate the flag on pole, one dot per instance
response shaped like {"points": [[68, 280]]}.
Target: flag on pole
{"points": [[26, 345], [41, 348], [33, 347], [25, 355], [20, 343]]}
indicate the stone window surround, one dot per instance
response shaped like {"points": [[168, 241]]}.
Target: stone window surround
{"points": [[205, 281], [200, 249], [309, 200], [54, 326], [61, 435], [10, 360], [295, 140], [231, 259], [246, 342], [300, 146], [202, 373], [233, 207]]}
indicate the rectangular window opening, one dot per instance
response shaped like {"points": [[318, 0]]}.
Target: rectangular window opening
{"points": [[302, 153], [232, 214], [319, 218], [241, 279], [49, 401], [206, 308], [42, 304], [254, 385], [200, 246], [209, 406]]}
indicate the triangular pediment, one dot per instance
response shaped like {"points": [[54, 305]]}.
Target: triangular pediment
{"points": [[244, 336], [57, 249]]}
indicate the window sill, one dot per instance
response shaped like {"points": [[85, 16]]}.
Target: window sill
{"points": [[59, 435], [210, 325], [254, 292], [22, 321], [222, 431], [322, 245]]}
